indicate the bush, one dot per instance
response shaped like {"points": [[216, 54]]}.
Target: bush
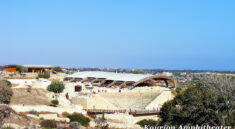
{"points": [[57, 69], [48, 124], [8, 127], [5, 92], [19, 68], [43, 75], [178, 90], [83, 120], [55, 102], [149, 122], [56, 87], [137, 72]]}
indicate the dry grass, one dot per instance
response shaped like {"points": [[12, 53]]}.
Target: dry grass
{"points": [[35, 97], [42, 112]]}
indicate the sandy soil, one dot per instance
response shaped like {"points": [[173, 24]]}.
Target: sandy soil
{"points": [[35, 97]]}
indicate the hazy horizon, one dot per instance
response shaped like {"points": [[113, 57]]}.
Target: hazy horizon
{"points": [[174, 35]]}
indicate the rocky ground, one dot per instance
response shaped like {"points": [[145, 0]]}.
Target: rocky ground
{"points": [[8, 117]]}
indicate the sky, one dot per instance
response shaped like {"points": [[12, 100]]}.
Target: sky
{"points": [[141, 34]]}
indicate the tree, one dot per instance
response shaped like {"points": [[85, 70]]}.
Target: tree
{"points": [[56, 87], [18, 68], [211, 101], [138, 72], [57, 69], [5, 92]]}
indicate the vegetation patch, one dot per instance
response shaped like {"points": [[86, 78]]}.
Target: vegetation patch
{"points": [[5, 92], [78, 117], [33, 112], [19, 68], [8, 127], [210, 101], [55, 102], [149, 122], [45, 75], [56, 87], [138, 72], [57, 69], [48, 124], [5, 83]]}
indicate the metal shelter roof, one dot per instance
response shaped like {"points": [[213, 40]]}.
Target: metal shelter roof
{"points": [[111, 75]]}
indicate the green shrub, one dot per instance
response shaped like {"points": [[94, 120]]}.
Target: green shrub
{"points": [[149, 122], [55, 102], [48, 124], [137, 72], [83, 120], [43, 75], [178, 90], [56, 87], [57, 69], [8, 127], [19, 68]]}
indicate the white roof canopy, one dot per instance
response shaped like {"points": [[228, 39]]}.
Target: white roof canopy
{"points": [[111, 75], [37, 66]]}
